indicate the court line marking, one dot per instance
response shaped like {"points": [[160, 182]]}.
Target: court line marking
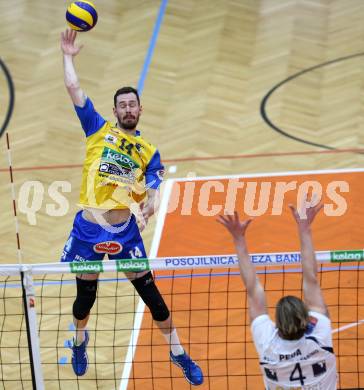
{"points": [[272, 174], [162, 212], [141, 305], [189, 159], [153, 42]]}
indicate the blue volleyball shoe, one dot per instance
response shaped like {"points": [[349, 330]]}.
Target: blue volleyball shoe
{"points": [[191, 370], [79, 357]]}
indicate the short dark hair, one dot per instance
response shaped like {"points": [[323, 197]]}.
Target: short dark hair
{"points": [[291, 317], [125, 90]]}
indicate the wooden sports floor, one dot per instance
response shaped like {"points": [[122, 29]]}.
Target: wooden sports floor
{"points": [[232, 88]]}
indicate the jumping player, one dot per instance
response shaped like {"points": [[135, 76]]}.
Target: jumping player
{"points": [[118, 162], [297, 351]]}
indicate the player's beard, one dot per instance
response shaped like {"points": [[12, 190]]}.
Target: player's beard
{"points": [[128, 122]]}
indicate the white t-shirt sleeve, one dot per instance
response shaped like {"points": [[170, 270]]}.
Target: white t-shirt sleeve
{"points": [[262, 329], [321, 328]]}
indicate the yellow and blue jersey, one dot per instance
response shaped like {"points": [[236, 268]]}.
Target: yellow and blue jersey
{"points": [[118, 168]]}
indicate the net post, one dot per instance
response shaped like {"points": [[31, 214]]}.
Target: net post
{"points": [[32, 328]]}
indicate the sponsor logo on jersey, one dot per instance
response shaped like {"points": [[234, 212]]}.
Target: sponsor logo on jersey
{"points": [[120, 159], [271, 374], [109, 247], [111, 139], [112, 169], [312, 321], [118, 167], [319, 368], [86, 267], [104, 167]]}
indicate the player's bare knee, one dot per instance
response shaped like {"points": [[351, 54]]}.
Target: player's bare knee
{"points": [[151, 296], [85, 299]]}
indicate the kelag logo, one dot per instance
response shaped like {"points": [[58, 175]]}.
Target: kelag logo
{"points": [[340, 256], [86, 267], [118, 158], [132, 265]]}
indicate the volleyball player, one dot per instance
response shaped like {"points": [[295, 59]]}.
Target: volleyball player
{"points": [[297, 351], [118, 160]]}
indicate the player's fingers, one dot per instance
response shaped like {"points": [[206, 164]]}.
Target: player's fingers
{"points": [[293, 210], [221, 219], [248, 222], [142, 223], [306, 200], [72, 36], [231, 218], [236, 217], [225, 220], [228, 218], [314, 199], [318, 208]]}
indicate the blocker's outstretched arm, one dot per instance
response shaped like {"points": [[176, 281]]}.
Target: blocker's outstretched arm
{"points": [[255, 291], [311, 288]]}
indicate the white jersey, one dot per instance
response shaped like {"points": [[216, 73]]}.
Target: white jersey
{"points": [[308, 363]]}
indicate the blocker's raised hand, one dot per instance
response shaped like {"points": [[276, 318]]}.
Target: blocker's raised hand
{"points": [[304, 218], [233, 224]]}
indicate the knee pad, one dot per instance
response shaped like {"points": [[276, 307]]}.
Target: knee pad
{"points": [[85, 299], [151, 296]]}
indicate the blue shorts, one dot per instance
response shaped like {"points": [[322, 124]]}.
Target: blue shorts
{"points": [[90, 241]]}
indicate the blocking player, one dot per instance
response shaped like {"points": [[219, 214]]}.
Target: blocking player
{"points": [[297, 351], [118, 161]]}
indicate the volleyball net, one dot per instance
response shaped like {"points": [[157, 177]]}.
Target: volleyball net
{"points": [[209, 308], [199, 280]]}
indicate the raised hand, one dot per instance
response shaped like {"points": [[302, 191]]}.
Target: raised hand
{"points": [[233, 224], [68, 45], [307, 213]]}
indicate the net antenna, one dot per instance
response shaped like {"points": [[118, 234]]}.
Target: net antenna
{"points": [[25, 272]]}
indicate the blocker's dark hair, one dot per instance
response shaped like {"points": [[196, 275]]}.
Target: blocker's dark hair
{"points": [[125, 90], [291, 317]]}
